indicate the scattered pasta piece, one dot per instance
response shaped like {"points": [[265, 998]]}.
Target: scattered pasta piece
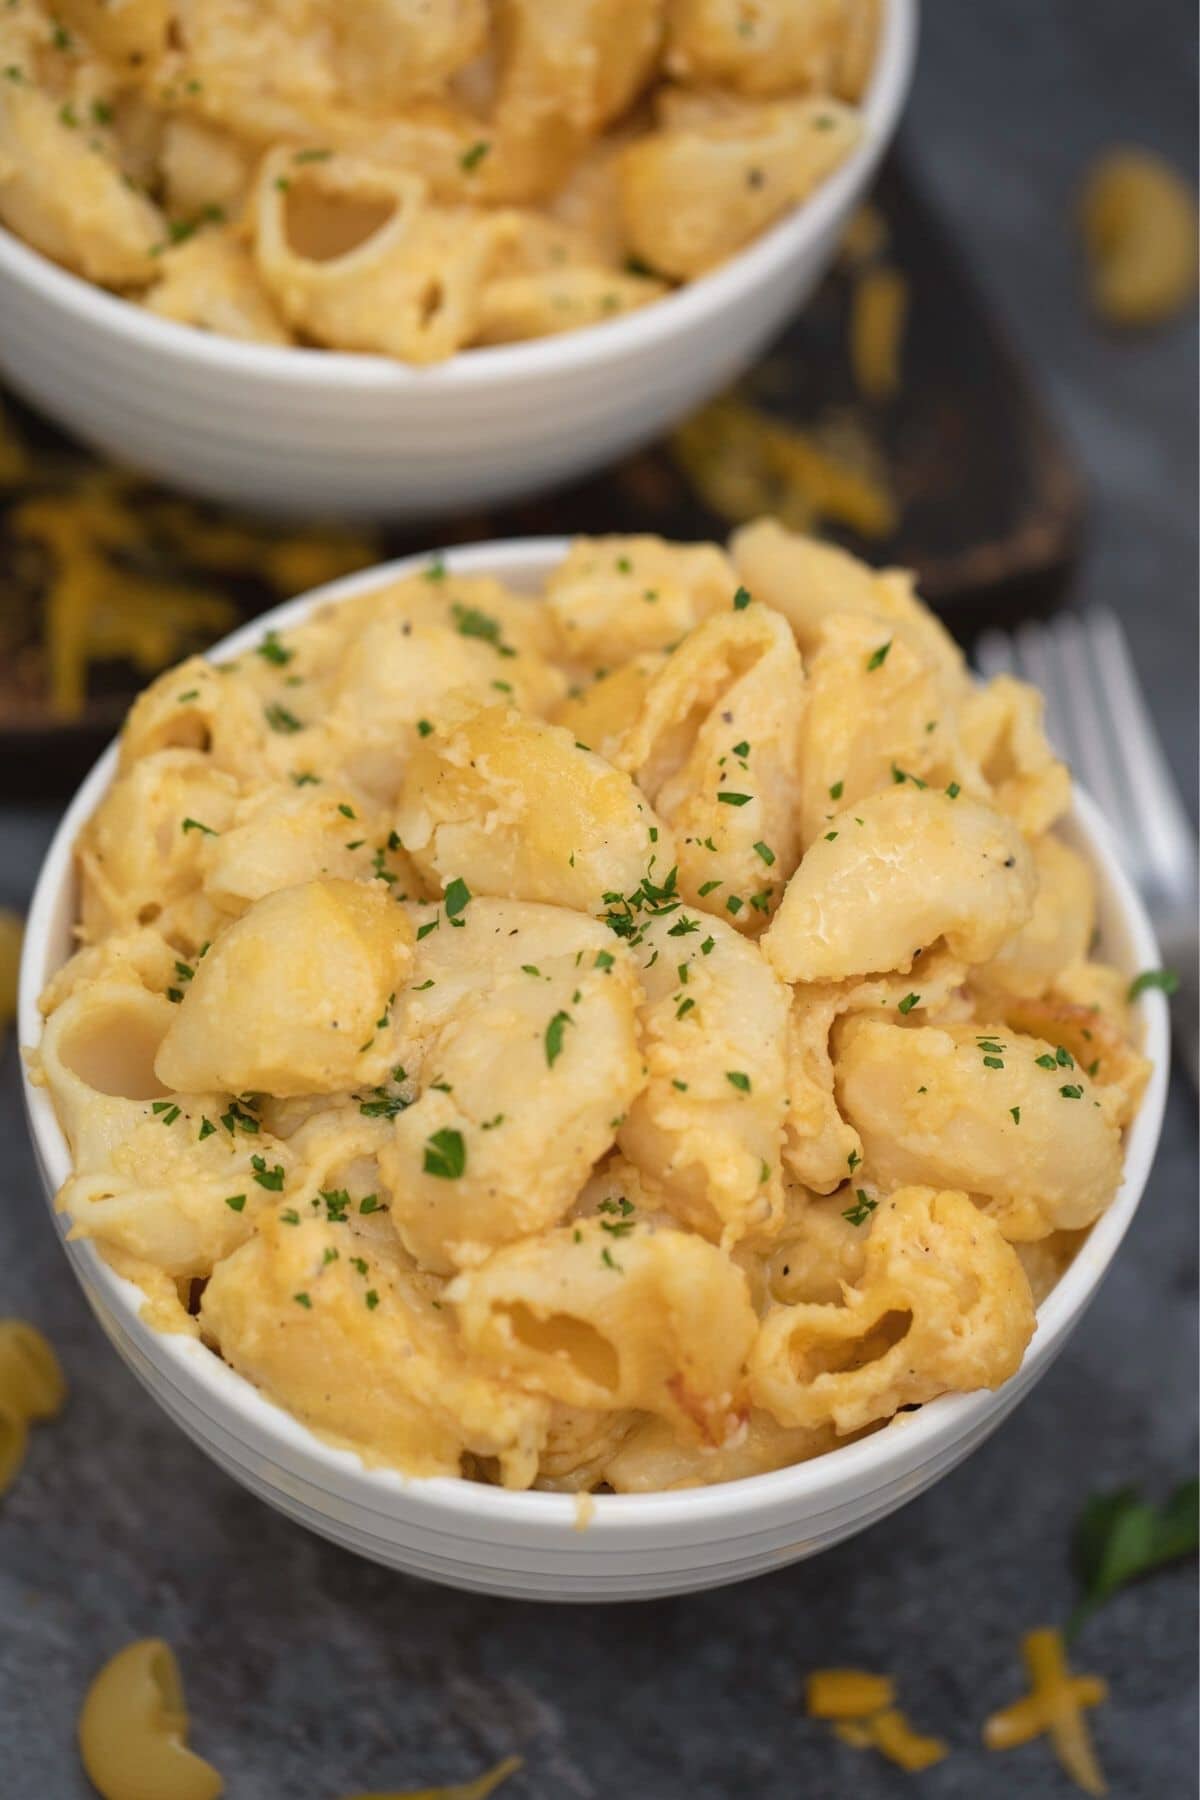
{"points": [[12, 936], [32, 1386], [1139, 230], [31, 1378], [479, 1789], [877, 317], [133, 1730], [848, 1693], [14, 1438], [1054, 1704]]}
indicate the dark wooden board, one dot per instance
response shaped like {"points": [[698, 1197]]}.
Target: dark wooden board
{"points": [[987, 498]]}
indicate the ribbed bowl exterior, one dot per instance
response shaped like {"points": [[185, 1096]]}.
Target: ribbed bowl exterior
{"points": [[550, 1546]]}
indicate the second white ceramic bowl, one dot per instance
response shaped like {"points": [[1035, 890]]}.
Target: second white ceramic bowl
{"points": [[544, 1546], [316, 432]]}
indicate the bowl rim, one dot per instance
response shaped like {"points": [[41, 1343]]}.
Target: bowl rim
{"points": [[330, 371], [206, 1384]]}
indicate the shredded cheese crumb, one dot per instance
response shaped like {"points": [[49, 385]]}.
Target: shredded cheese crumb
{"points": [[479, 1789], [1054, 1704], [878, 313], [12, 933], [848, 1693]]}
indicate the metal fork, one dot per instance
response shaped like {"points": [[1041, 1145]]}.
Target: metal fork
{"points": [[1098, 721]]}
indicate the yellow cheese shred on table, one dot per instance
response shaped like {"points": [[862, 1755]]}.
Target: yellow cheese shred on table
{"points": [[744, 462], [1054, 1705], [479, 1789], [860, 1704], [878, 313]]}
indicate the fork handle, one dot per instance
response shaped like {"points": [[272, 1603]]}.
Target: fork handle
{"points": [[1180, 954]]}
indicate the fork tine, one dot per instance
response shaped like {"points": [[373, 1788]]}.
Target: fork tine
{"points": [[1153, 805], [993, 654], [1039, 665], [1090, 759]]}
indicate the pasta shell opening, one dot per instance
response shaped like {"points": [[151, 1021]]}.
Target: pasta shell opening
{"points": [[808, 1360], [321, 226], [565, 1339], [112, 1048]]}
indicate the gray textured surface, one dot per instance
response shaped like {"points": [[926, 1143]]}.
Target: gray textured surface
{"points": [[311, 1674]]}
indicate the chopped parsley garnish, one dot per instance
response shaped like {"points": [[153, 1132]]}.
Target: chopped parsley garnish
{"points": [[290, 1216], [372, 1299], [470, 622], [604, 960], [312, 156], [207, 1129], [424, 727], [710, 887], [471, 158], [235, 1202], [708, 946], [742, 749], [383, 1106], [766, 852], [304, 1300], [167, 1111], [346, 810], [606, 1257], [899, 775], [728, 799], [1063, 1057], [684, 1008], [741, 600], [853, 1160], [1046, 1062], [1015, 1112], [953, 791], [1166, 980], [272, 651], [371, 1203], [1071, 1092], [237, 1118], [198, 825], [423, 931], [445, 1154], [837, 790], [830, 836], [909, 1001], [734, 904], [736, 1078], [268, 1178], [280, 719], [864, 1206], [878, 657], [993, 1062], [554, 1036], [456, 897], [305, 778]]}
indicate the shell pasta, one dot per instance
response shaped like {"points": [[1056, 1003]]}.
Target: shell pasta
{"points": [[413, 177], [533, 1044]]}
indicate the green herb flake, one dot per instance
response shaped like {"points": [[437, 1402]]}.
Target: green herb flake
{"points": [[471, 158], [860, 1212], [736, 1078], [766, 852], [554, 1037], [304, 1300], [456, 897], [1071, 1092], [909, 1001], [878, 657], [267, 1178], [235, 1202], [280, 719], [837, 790], [1015, 1113], [198, 825], [728, 799], [445, 1154], [1166, 980], [741, 600], [272, 651]]}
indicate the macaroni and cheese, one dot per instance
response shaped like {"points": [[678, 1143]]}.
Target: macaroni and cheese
{"points": [[412, 179], [631, 1038]]}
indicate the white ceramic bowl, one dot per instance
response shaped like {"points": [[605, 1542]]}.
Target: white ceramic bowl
{"points": [[530, 1545], [306, 432]]}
